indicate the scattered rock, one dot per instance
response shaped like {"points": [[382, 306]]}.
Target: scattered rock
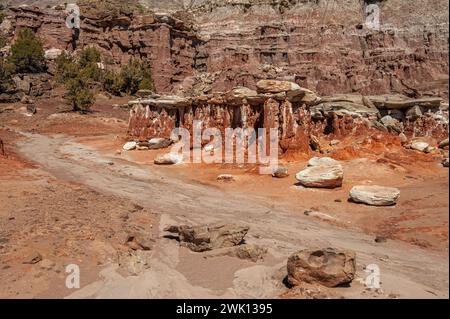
{"points": [[392, 124], [129, 146], [322, 172], [375, 195], [403, 138], [31, 108], [209, 237], [250, 252], [168, 159], [445, 162], [380, 239], [52, 54], [226, 178], [443, 143], [139, 242], [414, 113], [280, 172], [314, 142], [33, 258], [328, 267], [421, 146], [158, 143]]}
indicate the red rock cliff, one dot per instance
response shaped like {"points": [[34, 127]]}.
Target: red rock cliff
{"points": [[340, 46]]}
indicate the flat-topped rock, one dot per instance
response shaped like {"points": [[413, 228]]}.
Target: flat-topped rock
{"points": [[375, 195], [397, 101], [276, 86]]}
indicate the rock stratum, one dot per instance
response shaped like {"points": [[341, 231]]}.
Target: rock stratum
{"points": [[202, 46]]}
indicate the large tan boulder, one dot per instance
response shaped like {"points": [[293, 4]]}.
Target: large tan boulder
{"points": [[328, 267], [375, 195], [322, 173], [168, 159]]}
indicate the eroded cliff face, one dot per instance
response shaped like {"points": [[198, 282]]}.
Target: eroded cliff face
{"points": [[341, 46], [328, 46]]}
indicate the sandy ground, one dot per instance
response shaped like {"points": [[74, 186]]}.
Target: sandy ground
{"points": [[67, 194]]}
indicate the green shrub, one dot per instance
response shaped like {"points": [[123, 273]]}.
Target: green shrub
{"points": [[27, 54], [78, 77], [133, 76], [67, 68], [112, 83], [89, 56], [2, 16], [79, 95], [2, 41], [5, 75]]}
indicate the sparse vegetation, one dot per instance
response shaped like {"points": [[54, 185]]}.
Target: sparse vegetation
{"points": [[5, 75], [81, 75], [27, 54], [2, 41], [2, 16], [79, 94], [133, 76]]}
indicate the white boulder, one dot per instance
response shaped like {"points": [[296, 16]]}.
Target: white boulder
{"points": [[375, 195], [129, 146]]}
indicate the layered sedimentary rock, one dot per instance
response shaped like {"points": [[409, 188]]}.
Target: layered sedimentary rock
{"points": [[299, 115], [166, 42], [342, 46]]}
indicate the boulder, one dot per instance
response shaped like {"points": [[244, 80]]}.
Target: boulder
{"points": [[129, 146], [209, 237], [375, 195], [158, 143], [403, 138], [443, 143], [445, 162], [392, 124], [52, 54], [22, 85], [168, 159], [280, 172], [421, 146], [275, 86], [321, 172], [328, 267], [414, 113]]}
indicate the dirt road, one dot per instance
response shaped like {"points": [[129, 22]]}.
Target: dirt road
{"points": [[406, 270]]}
